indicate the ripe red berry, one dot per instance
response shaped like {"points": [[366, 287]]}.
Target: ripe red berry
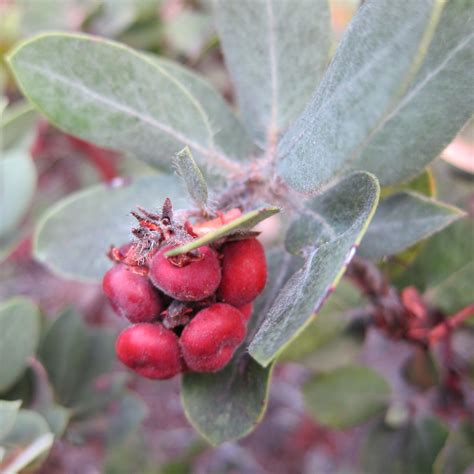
{"points": [[131, 295], [150, 350], [244, 272], [246, 311], [211, 338], [194, 281]]}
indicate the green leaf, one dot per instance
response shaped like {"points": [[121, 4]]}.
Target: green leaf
{"points": [[330, 322], [444, 269], [192, 176], [15, 123], [8, 413], [402, 220], [19, 336], [239, 225], [408, 450], [276, 55], [424, 184], [18, 178], [346, 397], [74, 356], [229, 134], [115, 98], [399, 75], [342, 214], [130, 412], [73, 237], [228, 404], [457, 454], [420, 370], [341, 351], [28, 442]]}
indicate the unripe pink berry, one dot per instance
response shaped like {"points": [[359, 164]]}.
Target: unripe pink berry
{"points": [[209, 341], [131, 295], [244, 272], [150, 350], [194, 281]]}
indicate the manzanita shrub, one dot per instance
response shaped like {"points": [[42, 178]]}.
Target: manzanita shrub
{"points": [[328, 150]]}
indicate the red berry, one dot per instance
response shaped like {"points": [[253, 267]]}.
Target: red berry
{"points": [[194, 281], [246, 311], [244, 272], [211, 338], [150, 350], [131, 295]]}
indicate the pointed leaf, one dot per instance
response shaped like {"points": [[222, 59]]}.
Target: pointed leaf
{"points": [[276, 54], [411, 449], [399, 74], [229, 134], [343, 213], [19, 336], [242, 223], [112, 96], [402, 220], [192, 176], [346, 397], [73, 237]]}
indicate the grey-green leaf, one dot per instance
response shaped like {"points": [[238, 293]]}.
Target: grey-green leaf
{"points": [[192, 177], [347, 396], [8, 413], [74, 356], [110, 95], [445, 279], [399, 74], [343, 212], [331, 321], [73, 237], [276, 52], [15, 123], [229, 134], [19, 336], [411, 449], [239, 225], [402, 220], [18, 184], [228, 404]]}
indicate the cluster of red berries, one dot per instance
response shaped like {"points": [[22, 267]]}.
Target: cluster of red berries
{"points": [[189, 312]]}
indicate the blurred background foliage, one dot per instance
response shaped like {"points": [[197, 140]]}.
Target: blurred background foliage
{"points": [[65, 405]]}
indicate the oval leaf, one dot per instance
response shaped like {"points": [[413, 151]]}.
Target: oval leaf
{"points": [[18, 178], [346, 397], [228, 405], [112, 96], [276, 55], [376, 107], [447, 279], [74, 235], [229, 134], [402, 220], [8, 413], [409, 450], [343, 213], [19, 336]]}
